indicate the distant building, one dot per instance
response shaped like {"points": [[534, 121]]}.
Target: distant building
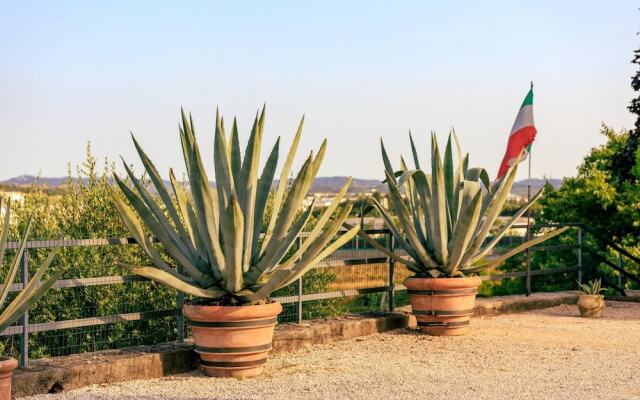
{"points": [[13, 196], [320, 200], [521, 232], [516, 198]]}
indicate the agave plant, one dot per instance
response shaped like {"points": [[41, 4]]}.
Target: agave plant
{"points": [[36, 287], [592, 288], [445, 217], [214, 238]]}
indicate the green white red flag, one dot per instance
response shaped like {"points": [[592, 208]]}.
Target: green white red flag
{"points": [[522, 135]]}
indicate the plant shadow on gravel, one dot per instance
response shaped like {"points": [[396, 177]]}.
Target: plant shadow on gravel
{"points": [[408, 332]]}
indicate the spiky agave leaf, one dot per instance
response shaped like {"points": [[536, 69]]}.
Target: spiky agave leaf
{"points": [[445, 217], [212, 237]]}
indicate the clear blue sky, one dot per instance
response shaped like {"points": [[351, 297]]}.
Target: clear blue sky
{"points": [[72, 72]]}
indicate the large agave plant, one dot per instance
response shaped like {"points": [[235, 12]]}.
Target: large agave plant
{"points": [[445, 217], [36, 286], [215, 237]]}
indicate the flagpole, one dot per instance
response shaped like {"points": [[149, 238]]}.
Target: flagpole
{"points": [[528, 273]]}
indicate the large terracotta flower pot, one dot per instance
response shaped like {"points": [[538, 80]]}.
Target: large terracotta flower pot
{"points": [[232, 341], [7, 365], [443, 306], [591, 306]]}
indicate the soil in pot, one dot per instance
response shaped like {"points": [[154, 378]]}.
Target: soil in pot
{"points": [[591, 306], [7, 365], [232, 341], [443, 306]]}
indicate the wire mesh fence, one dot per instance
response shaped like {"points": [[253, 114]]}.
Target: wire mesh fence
{"points": [[95, 309]]}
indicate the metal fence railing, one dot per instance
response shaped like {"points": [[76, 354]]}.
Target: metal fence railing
{"points": [[355, 279]]}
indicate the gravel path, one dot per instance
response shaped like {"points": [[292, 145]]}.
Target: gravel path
{"points": [[546, 354]]}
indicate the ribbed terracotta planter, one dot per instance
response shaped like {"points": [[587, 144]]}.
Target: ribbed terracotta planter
{"points": [[7, 365], [443, 306], [591, 306], [232, 341]]}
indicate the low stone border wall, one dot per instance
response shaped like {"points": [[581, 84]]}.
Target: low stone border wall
{"points": [[632, 295], [70, 372], [146, 362], [521, 303]]}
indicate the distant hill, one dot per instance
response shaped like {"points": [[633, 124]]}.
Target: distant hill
{"points": [[334, 183], [322, 184], [28, 180]]}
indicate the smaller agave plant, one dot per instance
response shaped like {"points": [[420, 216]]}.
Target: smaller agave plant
{"points": [[591, 302], [445, 217], [214, 238], [592, 288], [36, 287]]}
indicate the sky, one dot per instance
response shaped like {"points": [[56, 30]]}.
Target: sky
{"points": [[92, 71]]}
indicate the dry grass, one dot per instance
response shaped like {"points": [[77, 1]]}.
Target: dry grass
{"points": [[365, 276]]}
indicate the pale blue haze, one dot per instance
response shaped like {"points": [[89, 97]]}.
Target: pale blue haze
{"points": [[72, 72]]}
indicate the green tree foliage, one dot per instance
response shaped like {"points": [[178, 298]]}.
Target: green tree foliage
{"points": [[597, 196], [512, 207], [85, 211], [601, 199], [625, 158]]}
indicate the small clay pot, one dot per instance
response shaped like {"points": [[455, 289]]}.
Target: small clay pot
{"points": [[232, 341], [443, 306], [591, 306], [7, 365]]}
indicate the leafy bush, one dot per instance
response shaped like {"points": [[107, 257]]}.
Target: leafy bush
{"points": [[85, 210]]}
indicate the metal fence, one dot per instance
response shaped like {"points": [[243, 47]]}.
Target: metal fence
{"points": [[355, 279]]}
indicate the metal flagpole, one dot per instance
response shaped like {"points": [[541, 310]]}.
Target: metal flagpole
{"points": [[528, 273], [528, 283]]}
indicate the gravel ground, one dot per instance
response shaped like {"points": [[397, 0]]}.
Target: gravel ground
{"points": [[546, 354]]}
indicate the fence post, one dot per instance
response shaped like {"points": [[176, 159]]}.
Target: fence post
{"points": [[24, 338], [620, 277], [580, 254], [528, 271], [299, 243], [180, 318], [392, 267]]}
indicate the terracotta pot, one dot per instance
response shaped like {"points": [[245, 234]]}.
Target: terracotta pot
{"points": [[7, 365], [443, 306], [591, 306], [232, 341]]}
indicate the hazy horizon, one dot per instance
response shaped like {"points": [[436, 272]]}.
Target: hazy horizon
{"points": [[74, 72]]}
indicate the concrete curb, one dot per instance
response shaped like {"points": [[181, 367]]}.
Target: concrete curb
{"points": [[146, 362], [521, 303], [71, 372], [486, 307], [632, 295]]}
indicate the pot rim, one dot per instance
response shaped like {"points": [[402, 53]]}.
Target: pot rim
{"points": [[8, 363], [205, 313], [467, 281], [592, 296], [192, 303]]}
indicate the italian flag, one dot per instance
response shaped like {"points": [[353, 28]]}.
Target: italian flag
{"points": [[521, 137]]}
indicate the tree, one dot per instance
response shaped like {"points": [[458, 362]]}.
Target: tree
{"points": [[601, 199], [598, 197], [625, 159]]}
